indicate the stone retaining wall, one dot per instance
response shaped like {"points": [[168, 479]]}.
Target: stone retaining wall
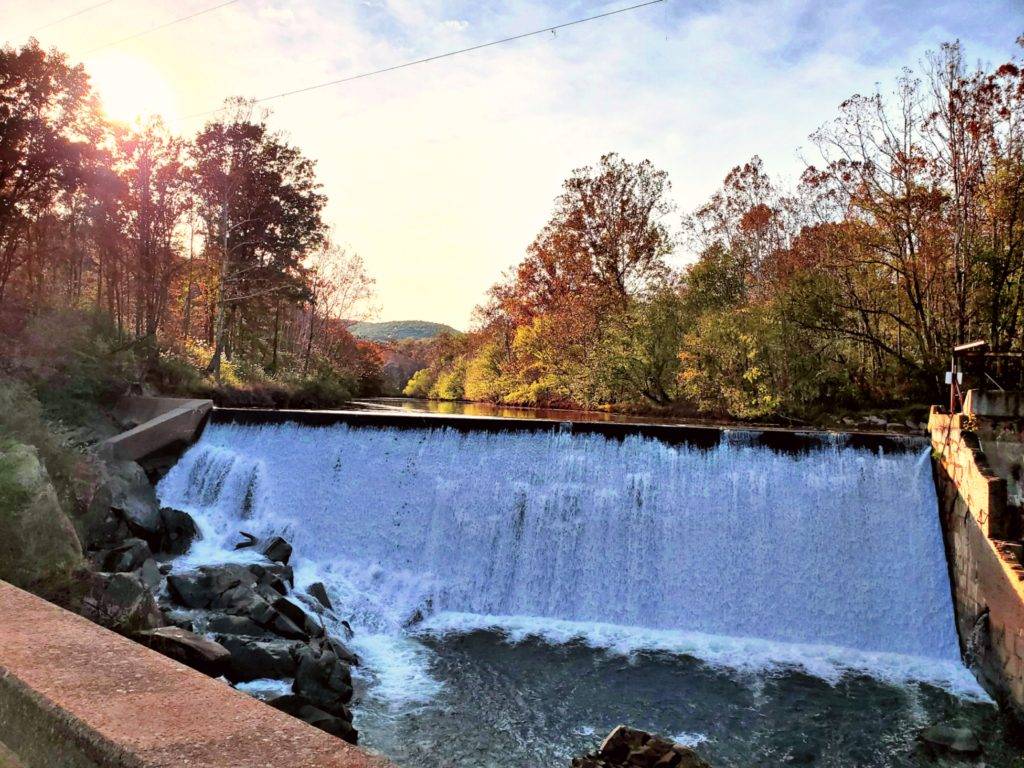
{"points": [[75, 695], [985, 571]]}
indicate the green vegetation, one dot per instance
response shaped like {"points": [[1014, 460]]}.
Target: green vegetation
{"points": [[844, 292]]}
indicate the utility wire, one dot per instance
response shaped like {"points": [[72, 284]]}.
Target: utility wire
{"points": [[158, 27], [428, 59], [62, 19]]}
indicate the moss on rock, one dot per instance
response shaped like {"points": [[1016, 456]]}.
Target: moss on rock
{"points": [[38, 543]]}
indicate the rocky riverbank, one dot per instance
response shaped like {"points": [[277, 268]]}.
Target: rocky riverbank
{"points": [[236, 622]]}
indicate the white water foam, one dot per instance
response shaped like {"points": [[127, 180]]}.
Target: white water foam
{"points": [[743, 557]]}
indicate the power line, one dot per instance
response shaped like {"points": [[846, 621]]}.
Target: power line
{"points": [[62, 19], [428, 59], [158, 27]]}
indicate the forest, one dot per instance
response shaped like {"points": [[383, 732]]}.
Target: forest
{"points": [[846, 290], [201, 263], [207, 260]]}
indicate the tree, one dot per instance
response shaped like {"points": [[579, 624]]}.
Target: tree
{"points": [[339, 289], [261, 205], [156, 197], [638, 358], [48, 124]]}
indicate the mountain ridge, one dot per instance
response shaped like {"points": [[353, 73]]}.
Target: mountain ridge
{"points": [[399, 330]]}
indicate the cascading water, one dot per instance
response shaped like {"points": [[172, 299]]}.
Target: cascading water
{"points": [[740, 556]]}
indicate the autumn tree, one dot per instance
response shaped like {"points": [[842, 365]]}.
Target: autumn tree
{"points": [[48, 123], [261, 206]]}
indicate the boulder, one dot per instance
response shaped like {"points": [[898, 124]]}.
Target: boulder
{"points": [[628, 747], [253, 659], [129, 556], [240, 590], [318, 591], [280, 624], [203, 587], [298, 707], [278, 577], [323, 680], [133, 497], [149, 572], [38, 543], [201, 653], [121, 601], [339, 649], [179, 531], [950, 739], [234, 625], [277, 549], [179, 618], [290, 610]]}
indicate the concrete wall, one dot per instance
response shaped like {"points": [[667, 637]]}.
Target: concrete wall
{"points": [[75, 695], [162, 422], [985, 569]]}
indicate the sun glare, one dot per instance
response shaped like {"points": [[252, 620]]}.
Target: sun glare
{"points": [[131, 88]]}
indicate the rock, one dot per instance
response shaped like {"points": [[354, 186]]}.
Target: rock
{"points": [[149, 573], [205, 586], [38, 542], [250, 541], [127, 557], [289, 610], [281, 625], [234, 625], [120, 601], [133, 497], [253, 659], [240, 590], [297, 706], [328, 643], [324, 680], [313, 627], [628, 747], [181, 619], [277, 549], [950, 739], [201, 653], [278, 577], [179, 531], [318, 591]]}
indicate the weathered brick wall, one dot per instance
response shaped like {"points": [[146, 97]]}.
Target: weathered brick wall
{"points": [[986, 575]]}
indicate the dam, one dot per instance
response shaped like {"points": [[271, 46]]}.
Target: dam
{"points": [[514, 590]]}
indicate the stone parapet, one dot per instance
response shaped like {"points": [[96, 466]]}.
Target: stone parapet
{"points": [[75, 695]]}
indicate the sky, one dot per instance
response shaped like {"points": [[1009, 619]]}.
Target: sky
{"points": [[440, 175]]}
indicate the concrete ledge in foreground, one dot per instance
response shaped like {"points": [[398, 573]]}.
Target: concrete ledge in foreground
{"points": [[75, 695]]}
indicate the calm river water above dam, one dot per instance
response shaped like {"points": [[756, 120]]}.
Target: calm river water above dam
{"points": [[517, 594]]}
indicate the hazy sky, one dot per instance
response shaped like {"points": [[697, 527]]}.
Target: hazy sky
{"points": [[441, 174]]}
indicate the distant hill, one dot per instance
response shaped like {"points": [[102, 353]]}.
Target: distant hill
{"points": [[397, 330]]}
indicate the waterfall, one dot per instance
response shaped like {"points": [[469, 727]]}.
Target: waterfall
{"points": [[732, 553]]}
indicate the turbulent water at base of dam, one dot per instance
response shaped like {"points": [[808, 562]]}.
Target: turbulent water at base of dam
{"points": [[707, 574]]}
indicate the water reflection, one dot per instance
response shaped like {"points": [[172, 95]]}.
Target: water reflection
{"points": [[460, 408]]}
